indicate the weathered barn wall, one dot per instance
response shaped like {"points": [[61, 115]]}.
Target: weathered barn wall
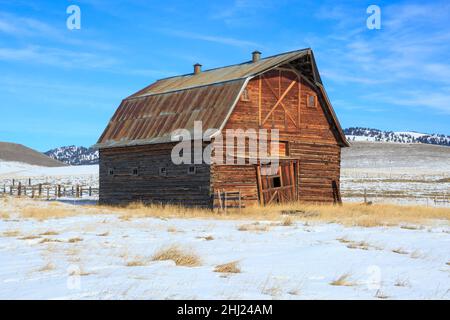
{"points": [[309, 133], [148, 185]]}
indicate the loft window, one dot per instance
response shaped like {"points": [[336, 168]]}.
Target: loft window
{"points": [[311, 101], [163, 171], [135, 171], [245, 96], [192, 170], [111, 171]]}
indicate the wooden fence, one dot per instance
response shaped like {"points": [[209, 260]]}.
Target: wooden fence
{"points": [[48, 191]]}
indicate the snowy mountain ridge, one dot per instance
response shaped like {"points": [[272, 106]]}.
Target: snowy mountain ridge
{"points": [[375, 135], [74, 155]]}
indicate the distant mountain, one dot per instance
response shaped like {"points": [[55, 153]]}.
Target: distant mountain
{"points": [[375, 135], [13, 152], [74, 155]]}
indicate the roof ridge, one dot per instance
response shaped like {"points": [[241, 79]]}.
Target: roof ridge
{"points": [[235, 64]]}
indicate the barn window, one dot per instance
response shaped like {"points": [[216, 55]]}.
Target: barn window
{"points": [[111, 171], [192, 170], [275, 182], [162, 171], [311, 101], [245, 96], [135, 171]]}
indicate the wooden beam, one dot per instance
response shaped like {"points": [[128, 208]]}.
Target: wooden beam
{"points": [[279, 101], [259, 100]]}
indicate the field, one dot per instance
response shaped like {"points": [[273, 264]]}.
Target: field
{"points": [[77, 250], [60, 251], [396, 173]]}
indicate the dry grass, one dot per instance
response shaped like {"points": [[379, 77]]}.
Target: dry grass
{"points": [[4, 215], [343, 280], [172, 229], [47, 267], [400, 251], [253, 227], [181, 257], [104, 234], [230, 267], [287, 221], [46, 240], [11, 233], [73, 240], [380, 295], [49, 233], [448, 263], [207, 238], [137, 262], [350, 214], [401, 283], [42, 213], [30, 237]]}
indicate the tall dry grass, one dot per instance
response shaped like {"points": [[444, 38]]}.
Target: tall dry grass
{"points": [[181, 257], [350, 214]]}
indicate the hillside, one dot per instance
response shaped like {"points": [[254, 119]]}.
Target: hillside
{"points": [[74, 155], [396, 155], [375, 135], [12, 152]]}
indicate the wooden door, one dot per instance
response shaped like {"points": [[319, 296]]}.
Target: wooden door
{"points": [[279, 186]]}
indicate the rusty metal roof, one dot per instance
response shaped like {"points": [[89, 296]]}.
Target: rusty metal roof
{"points": [[152, 114], [228, 73], [153, 118]]}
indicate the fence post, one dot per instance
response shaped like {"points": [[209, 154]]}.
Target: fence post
{"points": [[32, 192], [19, 191], [59, 191], [40, 189], [29, 181], [10, 190], [13, 182], [90, 191], [365, 196], [81, 191]]}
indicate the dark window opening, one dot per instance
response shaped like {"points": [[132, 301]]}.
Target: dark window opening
{"points": [[192, 170], [276, 182], [111, 172], [135, 171], [162, 171]]}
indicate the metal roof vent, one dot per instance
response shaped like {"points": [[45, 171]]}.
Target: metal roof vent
{"points": [[256, 55], [197, 68]]}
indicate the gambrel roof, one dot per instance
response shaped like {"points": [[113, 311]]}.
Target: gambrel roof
{"points": [[151, 115]]}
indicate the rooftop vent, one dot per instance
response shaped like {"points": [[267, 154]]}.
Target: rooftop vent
{"points": [[197, 68], [256, 55]]}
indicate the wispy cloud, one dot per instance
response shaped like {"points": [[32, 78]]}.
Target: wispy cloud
{"points": [[210, 38]]}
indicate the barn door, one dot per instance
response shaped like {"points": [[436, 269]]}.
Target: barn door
{"points": [[279, 186]]}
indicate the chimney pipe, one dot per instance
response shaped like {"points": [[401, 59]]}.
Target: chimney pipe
{"points": [[256, 55], [197, 68]]}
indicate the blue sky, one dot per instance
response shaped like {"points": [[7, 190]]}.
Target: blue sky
{"points": [[60, 87]]}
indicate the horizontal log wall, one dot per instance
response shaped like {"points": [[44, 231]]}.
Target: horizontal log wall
{"points": [[148, 186]]}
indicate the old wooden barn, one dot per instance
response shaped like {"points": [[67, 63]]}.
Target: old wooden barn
{"points": [[283, 92]]}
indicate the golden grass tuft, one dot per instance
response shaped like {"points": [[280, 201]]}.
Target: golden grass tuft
{"points": [[253, 227], [287, 221], [30, 237], [49, 233], [343, 280], [400, 251], [103, 234], [136, 262], [73, 240], [172, 229], [207, 238], [11, 233], [4, 215], [181, 257], [47, 267], [230, 267]]}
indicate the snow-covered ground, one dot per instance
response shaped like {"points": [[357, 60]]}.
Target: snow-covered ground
{"points": [[68, 175], [86, 257]]}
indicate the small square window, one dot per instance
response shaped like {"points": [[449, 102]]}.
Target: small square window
{"points": [[111, 171], [162, 171], [311, 101], [192, 170], [245, 96], [135, 171]]}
